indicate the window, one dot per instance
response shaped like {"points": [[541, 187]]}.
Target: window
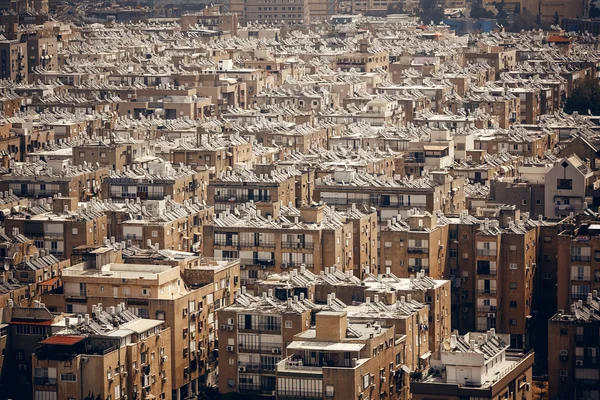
{"points": [[68, 377], [329, 391], [547, 239], [154, 234], [366, 380], [512, 285], [75, 231], [512, 322], [288, 324], [513, 304], [512, 266], [564, 184]]}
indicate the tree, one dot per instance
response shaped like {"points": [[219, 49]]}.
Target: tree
{"points": [[556, 19], [502, 15], [395, 8], [477, 11], [594, 10], [585, 96], [524, 21], [431, 11]]}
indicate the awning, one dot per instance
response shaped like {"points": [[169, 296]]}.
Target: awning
{"points": [[49, 282], [326, 346], [64, 340], [426, 355], [31, 322], [405, 369]]}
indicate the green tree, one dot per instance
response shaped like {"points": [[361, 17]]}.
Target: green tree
{"points": [[556, 19], [395, 8], [585, 96], [502, 15], [431, 11], [477, 11], [524, 21], [594, 10]]}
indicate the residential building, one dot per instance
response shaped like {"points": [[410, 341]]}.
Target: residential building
{"points": [[339, 359], [109, 353], [156, 291], [318, 237], [573, 337], [566, 187], [477, 365]]}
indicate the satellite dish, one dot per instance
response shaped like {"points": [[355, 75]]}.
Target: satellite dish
{"points": [[6, 266]]}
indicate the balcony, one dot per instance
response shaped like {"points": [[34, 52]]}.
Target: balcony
{"points": [[252, 244], [418, 250], [489, 292], [296, 245], [297, 366], [486, 309], [484, 271], [271, 349], [44, 381], [581, 258]]}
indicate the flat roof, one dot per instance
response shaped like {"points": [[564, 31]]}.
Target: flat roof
{"points": [[326, 346]]}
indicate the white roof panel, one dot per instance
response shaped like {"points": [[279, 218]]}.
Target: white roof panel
{"points": [[325, 346]]}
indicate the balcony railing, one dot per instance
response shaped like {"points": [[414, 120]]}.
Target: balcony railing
{"points": [[486, 291], [486, 272], [581, 258], [486, 252], [244, 243], [418, 250], [296, 245], [297, 366], [486, 309], [44, 381]]}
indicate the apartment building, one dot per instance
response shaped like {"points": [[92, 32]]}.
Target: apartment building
{"points": [[164, 224], [59, 233], [317, 237], [155, 291], [253, 335], [157, 180], [477, 366], [366, 59], [573, 337], [339, 359], [55, 177], [578, 262], [566, 187], [494, 262], [22, 329], [13, 56], [242, 185], [219, 154], [289, 12], [42, 52], [113, 154], [409, 318], [416, 243], [438, 192], [109, 353]]}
